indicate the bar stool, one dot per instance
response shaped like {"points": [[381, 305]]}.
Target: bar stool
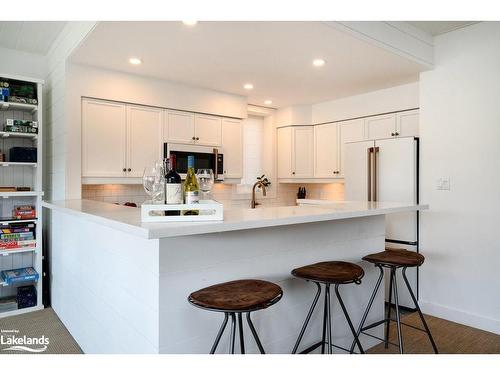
{"points": [[328, 273], [234, 298], [393, 259]]}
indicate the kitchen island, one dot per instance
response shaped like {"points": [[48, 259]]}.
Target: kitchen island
{"points": [[121, 286]]}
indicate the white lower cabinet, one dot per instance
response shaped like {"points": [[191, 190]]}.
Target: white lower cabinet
{"points": [[295, 152], [232, 147], [326, 150], [144, 129], [104, 139]]}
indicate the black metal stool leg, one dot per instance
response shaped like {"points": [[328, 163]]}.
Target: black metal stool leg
{"points": [[323, 337], [356, 338], [329, 318], [254, 333], [398, 316], [388, 313], [233, 333], [219, 334], [419, 312], [308, 317], [242, 341], [368, 307]]}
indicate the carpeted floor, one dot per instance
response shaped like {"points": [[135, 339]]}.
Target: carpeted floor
{"points": [[35, 324], [451, 338]]}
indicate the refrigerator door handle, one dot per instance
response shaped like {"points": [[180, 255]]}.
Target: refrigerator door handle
{"points": [[369, 172], [375, 177]]}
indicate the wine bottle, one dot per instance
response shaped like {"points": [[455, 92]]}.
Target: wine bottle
{"points": [[191, 188], [173, 185]]}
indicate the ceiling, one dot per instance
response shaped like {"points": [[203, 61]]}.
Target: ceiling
{"points": [[33, 36], [439, 27], [275, 56]]}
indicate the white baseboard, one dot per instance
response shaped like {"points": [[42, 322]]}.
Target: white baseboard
{"points": [[459, 316]]}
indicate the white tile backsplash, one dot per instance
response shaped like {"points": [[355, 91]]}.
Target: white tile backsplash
{"points": [[285, 194]]}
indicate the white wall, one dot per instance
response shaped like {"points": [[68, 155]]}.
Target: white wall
{"points": [[22, 63], [371, 103], [106, 84], [56, 110], [294, 115], [460, 133]]}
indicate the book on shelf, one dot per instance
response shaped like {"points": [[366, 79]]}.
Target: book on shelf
{"points": [[19, 275], [11, 245], [24, 212]]}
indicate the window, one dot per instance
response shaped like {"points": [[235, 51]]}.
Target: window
{"points": [[253, 142]]}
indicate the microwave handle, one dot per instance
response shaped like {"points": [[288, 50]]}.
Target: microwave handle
{"points": [[216, 157]]}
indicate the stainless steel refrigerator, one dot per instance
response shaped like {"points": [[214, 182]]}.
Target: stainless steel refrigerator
{"points": [[387, 170]]}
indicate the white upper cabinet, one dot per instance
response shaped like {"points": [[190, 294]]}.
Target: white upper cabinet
{"points": [[326, 150], [190, 128], [407, 123], [350, 131], [284, 150], [144, 134], [179, 127], [207, 130], [232, 146], [103, 139], [379, 127], [303, 151]]}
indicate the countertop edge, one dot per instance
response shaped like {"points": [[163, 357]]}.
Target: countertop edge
{"points": [[119, 225]]}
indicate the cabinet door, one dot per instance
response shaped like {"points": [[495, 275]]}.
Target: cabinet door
{"points": [[144, 140], [303, 151], [284, 150], [350, 131], [326, 150], [232, 146], [103, 139], [179, 127], [407, 123], [380, 127], [207, 130]]}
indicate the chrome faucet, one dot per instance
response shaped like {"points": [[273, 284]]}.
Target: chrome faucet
{"points": [[262, 182]]}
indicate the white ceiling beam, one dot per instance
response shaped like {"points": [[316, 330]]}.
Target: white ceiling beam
{"points": [[397, 37]]}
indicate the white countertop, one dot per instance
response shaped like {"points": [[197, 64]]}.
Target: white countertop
{"points": [[128, 219]]}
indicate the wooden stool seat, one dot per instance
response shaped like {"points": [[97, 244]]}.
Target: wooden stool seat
{"points": [[333, 272], [237, 296], [396, 257]]}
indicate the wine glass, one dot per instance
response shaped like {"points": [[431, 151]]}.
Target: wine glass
{"points": [[152, 180], [206, 181]]}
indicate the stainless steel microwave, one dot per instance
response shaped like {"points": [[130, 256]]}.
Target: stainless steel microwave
{"points": [[204, 157]]}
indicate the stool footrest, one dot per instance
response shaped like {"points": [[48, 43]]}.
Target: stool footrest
{"points": [[318, 344]]}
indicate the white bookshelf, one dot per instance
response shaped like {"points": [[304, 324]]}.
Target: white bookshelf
{"points": [[21, 175]]}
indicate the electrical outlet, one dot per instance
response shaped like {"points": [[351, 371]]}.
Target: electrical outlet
{"points": [[443, 183]]}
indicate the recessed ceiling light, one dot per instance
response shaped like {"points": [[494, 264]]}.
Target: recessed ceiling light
{"points": [[319, 62], [135, 61], [248, 86], [190, 22], [268, 102]]}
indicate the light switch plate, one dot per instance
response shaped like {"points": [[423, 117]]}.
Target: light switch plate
{"points": [[443, 183]]}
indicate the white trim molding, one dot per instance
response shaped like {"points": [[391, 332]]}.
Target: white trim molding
{"points": [[463, 317]]}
